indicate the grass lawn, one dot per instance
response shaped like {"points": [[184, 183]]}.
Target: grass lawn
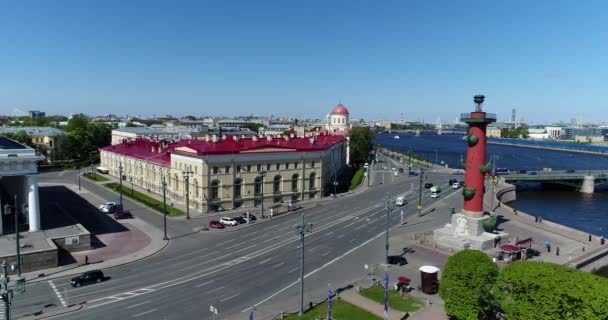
{"points": [[357, 178], [395, 301], [95, 177], [340, 310], [144, 199]]}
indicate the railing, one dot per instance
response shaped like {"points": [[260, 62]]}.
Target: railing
{"points": [[467, 116]]}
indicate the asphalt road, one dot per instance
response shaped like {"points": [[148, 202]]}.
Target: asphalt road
{"points": [[234, 270]]}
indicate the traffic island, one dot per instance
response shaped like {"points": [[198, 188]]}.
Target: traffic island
{"points": [[340, 310]]}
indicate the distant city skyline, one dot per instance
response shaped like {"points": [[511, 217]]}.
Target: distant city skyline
{"points": [[299, 59]]}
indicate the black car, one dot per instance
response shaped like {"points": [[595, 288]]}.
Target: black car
{"points": [[118, 215], [251, 217], [93, 276], [397, 260], [240, 220], [428, 185], [452, 181], [401, 170], [570, 171]]}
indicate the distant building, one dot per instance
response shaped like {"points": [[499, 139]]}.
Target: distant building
{"points": [[338, 122], [589, 139], [553, 132], [160, 132], [47, 140], [36, 114], [493, 132]]}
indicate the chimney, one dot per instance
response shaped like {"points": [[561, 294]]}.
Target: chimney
{"points": [[269, 138], [207, 138], [224, 137], [254, 138], [235, 138], [292, 135], [286, 137], [312, 140], [214, 138]]}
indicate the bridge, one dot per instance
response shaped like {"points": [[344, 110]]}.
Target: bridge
{"points": [[584, 181]]}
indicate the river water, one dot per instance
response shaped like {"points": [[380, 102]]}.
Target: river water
{"points": [[585, 212]]}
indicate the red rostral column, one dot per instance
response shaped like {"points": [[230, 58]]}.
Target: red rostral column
{"points": [[475, 166]]}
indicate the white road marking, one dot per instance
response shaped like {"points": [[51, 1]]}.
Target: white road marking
{"points": [[277, 265], [267, 240], [139, 304], [57, 293], [141, 314], [216, 289], [264, 261], [205, 283], [326, 253], [293, 270], [317, 270], [340, 236], [234, 246], [313, 249], [329, 233], [352, 240], [246, 248], [227, 241], [228, 298]]}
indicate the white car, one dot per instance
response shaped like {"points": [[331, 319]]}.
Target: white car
{"points": [[228, 221], [435, 195], [107, 207]]}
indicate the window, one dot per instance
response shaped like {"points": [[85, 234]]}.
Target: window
{"points": [[227, 169], [287, 165], [278, 165], [238, 168], [257, 186], [215, 170], [196, 169], [238, 186], [312, 164], [259, 168], [276, 184], [268, 167], [176, 185], [248, 168], [195, 184], [214, 190], [295, 165], [311, 181], [294, 182]]}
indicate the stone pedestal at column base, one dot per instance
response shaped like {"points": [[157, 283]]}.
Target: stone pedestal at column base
{"points": [[466, 232]]}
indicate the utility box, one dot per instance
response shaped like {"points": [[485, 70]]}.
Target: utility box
{"points": [[429, 279]]}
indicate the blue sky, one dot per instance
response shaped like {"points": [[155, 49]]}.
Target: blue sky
{"points": [[425, 59]]}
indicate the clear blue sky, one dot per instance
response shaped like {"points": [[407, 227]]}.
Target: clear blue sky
{"points": [[425, 59]]}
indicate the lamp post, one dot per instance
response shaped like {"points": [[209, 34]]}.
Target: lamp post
{"points": [[386, 245], [164, 185], [301, 230], [79, 188], [436, 156], [18, 246], [93, 170], [335, 188], [420, 193], [262, 175], [6, 293], [493, 181], [131, 180], [187, 191], [120, 182]]}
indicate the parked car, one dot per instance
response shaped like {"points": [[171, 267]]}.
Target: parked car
{"points": [[570, 171], [532, 173], [400, 201], [121, 214], [240, 220], [107, 207], [428, 185], [214, 224], [397, 260], [452, 181], [93, 276], [413, 173], [401, 170], [523, 171], [228, 221], [251, 217]]}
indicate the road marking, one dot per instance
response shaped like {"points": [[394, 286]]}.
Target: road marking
{"points": [[329, 233], [251, 246], [146, 312], [205, 283], [326, 253], [313, 248], [216, 289], [317, 270], [267, 240], [234, 246], [227, 241], [228, 298], [264, 261], [293, 270], [139, 304], [277, 265], [57, 293], [340, 236], [352, 240]]}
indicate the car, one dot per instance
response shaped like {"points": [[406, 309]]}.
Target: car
{"points": [[93, 276], [251, 217], [228, 221], [384, 168], [523, 171], [413, 173], [121, 214], [435, 195], [428, 185], [532, 173], [401, 170], [214, 224], [240, 220], [455, 185], [570, 171], [452, 181], [107, 207], [396, 260]]}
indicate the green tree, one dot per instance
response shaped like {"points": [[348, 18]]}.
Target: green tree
{"points": [[255, 127], [546, 291], [361, 143], [466, 285]]}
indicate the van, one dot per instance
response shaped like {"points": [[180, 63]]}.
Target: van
{"points": [[400, 201], [455, 185]]}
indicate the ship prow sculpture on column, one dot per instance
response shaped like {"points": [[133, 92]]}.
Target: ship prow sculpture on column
{"points": [[466, 230]]}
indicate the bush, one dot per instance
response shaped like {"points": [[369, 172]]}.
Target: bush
{"points": [[466, 285], [95, 177], [144, 199], [544, 291], [357, 178]]}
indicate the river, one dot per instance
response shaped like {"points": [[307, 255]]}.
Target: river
{"points": [[586, 212]]}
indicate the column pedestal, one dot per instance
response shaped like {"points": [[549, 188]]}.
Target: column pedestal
{"points": [[33, 202]]}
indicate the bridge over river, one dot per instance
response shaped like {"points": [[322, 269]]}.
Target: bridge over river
{"points": [[584, 180]]}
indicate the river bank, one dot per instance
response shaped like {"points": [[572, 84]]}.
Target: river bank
{"points": [[601, 153]]}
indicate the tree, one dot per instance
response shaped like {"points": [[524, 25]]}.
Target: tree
{"points": [[361, 143], [255, 127], [544, 291], [466, 285]]}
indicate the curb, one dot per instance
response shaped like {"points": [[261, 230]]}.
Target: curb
{"points": [[53, 313]]}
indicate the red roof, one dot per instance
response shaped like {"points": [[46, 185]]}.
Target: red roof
{"points": [[339, 110], [150, 150]]}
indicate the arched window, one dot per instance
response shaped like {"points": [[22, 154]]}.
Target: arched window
{"points": [[294, 182], [238, 187], [276, 184], [214, 190], [176, 185], [311, 181], [196, 191], [257, 186]]}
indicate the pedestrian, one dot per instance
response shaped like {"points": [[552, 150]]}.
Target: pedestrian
{"points": [[514, 211], [540, 219], [557, 251], [548, 245], [494, 259], [86, 259], [583, 249], [535, 218], [589, 237], [602, 240]]}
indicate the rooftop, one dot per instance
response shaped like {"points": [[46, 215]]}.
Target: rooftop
{"points": [[34, 131], [154, 151], [8, 144]]}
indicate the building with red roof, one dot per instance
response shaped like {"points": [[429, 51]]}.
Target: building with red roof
{"points": [[229, 172], [338, 122]]}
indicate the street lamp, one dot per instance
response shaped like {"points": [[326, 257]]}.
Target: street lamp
{"points": [[120, 182], [79, 179], [493, 181], [335, 188], [262, 175], [164, 185], [420, 193], [187, 190], [301, 230], [436, 156], [388, 211]]}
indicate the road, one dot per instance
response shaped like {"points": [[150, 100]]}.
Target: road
{"points": [[234, 270]]}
